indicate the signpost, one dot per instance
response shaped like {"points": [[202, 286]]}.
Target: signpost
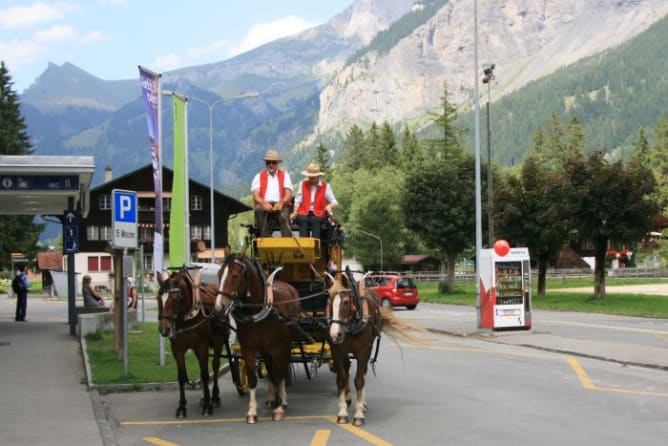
{"points": [[124, 219], [124, 235], [70, 232]]}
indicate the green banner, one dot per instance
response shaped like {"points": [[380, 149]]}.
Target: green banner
{"points": [[179, 210]]}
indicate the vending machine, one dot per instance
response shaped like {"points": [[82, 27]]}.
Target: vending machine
{"points": [[505, 289]]}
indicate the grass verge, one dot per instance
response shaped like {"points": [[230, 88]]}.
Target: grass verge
{"points": [[643, 305], [143, 359]]}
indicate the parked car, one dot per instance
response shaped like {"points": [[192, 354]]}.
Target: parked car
{"points": [[394, 290]]}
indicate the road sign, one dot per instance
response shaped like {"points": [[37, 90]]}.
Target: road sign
{"points": [[123, 219], [70, 231]]}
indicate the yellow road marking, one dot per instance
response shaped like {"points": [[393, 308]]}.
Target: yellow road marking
{"points": [[579, 371], [321, 437], [370, 438], [159, 441], [589, 385]]}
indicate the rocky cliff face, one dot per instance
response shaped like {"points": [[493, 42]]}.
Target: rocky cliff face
{"points": [[526, 39]]}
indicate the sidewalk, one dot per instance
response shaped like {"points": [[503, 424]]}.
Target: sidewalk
{"points": [[41, 376]]}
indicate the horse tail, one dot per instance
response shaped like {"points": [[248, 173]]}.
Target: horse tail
{"points": [[399, 328]]}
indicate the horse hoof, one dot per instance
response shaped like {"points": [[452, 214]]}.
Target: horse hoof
{"points": [[251, 419], [278, 416], [208, 411], [180, 413], [358, 422], [341, 420]]}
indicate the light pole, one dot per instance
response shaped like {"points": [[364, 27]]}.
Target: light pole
{"points": [[487, 79], [211, 106], [379, 241]]}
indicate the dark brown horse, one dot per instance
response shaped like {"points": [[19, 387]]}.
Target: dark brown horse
{"points": [[185, 313], [265, 313], [356, 320]]}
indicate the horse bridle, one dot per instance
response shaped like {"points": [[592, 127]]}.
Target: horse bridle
{"points": [[234, 308]]}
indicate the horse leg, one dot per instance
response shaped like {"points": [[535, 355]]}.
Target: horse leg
{"points": [[215, 365], [203, 358], [183, 378], [360, 400], [251, 376], [342, 365]]}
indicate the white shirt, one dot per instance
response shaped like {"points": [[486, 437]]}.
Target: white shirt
{"points": [[273, 194], [329, 195]]}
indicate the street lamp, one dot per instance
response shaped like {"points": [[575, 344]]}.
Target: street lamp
{"points": [[379, 241], [487, 79], [211, 106]]}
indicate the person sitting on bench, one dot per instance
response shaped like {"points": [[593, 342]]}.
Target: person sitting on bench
{"points": [[272, 194], [314, 201]]}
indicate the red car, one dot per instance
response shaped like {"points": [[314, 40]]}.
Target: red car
{"points": [[394, 290]]}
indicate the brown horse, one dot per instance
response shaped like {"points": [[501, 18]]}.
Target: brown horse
{"points": [[185, 313], [355, 320], [265, 314]]}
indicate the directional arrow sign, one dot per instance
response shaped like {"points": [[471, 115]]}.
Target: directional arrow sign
{"points": [[70, 231]]}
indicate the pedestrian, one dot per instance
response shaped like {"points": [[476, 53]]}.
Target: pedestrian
{"points": [[20, 287], [91, 296], [314, 202], [272, 196]]}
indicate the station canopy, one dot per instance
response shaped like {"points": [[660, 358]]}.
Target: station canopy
{"points": [[44, 185]]}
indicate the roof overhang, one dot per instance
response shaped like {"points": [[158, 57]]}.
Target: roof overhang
{"points": [[45, 185]]}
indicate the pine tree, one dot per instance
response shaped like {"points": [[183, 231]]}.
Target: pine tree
{"points": [[14, 139], [17, 233]]}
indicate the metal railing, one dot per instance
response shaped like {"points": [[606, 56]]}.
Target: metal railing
{"points": [[551, 273]]}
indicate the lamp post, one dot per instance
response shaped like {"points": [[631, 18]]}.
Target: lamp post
{"points": [[379, 241], [487, 79], [211, 106]]}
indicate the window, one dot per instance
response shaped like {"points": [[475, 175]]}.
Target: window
{"points": [[92, 233], [105, 202], [145, 233], [105, 232], [196, 233], [93, 263], [166, 204], [196, 203], [99, 263], [206, 233], [105, 263]]}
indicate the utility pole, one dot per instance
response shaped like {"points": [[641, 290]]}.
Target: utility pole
{"points": [[487, 79]]}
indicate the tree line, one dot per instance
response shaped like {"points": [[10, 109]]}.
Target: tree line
{"points": [[418, 195]]}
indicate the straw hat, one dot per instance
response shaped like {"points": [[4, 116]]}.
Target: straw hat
{"points": [[272, 155], [313, 170]]}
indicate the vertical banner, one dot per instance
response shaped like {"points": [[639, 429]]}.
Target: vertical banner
{"points": [[150, 85], [178, 238]]}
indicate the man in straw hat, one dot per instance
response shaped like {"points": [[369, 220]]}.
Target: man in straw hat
{"points": [[272, 194], [313, 202]]}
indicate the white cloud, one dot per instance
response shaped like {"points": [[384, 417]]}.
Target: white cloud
{"points": [[94, 36], [266, 32], [26, 16], [57, 33], [18, 53], [167, 62]]}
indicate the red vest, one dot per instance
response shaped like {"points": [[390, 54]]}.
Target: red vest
{"points": [[319, 202], [264, 180]]}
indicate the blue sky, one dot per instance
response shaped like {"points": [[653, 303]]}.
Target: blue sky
{"points": [[109, 38]]}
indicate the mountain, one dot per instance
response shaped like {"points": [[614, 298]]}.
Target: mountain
{"points": [[379, 60], [525, 39]]}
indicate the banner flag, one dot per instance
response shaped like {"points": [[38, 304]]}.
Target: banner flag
{"points": [[150, 85], [178, 237]]}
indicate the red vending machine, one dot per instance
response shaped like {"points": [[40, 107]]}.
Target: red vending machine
{"points": [[505, 289]]}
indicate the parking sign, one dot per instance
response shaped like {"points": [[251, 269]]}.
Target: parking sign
{"points": [[123, 219]]}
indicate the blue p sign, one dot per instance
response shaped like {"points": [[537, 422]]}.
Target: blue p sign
{"points": [[125, 206]]}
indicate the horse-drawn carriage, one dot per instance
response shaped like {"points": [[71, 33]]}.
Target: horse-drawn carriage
{"points": [[288, 302]]}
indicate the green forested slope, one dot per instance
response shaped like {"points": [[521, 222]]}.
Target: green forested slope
{"points": [[614, 93]]}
